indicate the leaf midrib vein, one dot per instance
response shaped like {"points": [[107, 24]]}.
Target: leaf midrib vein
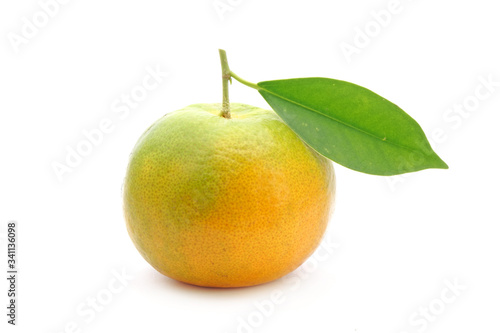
{"points": [[339, 121]]}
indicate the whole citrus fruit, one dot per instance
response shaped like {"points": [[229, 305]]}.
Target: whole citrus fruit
{"points": [[222, 202]]}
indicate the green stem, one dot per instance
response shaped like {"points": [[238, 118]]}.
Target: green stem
{"points": [[245, 82], [226, 77]]}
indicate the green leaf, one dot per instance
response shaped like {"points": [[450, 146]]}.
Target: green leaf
{"points": [[351, 125]]}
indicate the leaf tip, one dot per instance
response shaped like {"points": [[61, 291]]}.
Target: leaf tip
{"points": [[439, 163]]}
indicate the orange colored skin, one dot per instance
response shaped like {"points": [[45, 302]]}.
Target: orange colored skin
{"points": [[226, 202]]}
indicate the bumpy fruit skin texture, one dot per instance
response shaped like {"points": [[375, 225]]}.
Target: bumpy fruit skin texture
{"points": [[222, 202]]}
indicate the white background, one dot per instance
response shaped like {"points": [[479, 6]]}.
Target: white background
{"points": [[400, 239]]}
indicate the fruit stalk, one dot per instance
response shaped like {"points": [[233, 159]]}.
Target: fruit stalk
{"points": [[226, 78]]}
